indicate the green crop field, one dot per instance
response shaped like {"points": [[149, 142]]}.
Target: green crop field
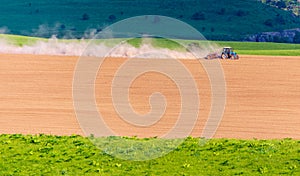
{"points": [[244, 48], [264, 48], [20, 40], [75, 155]]}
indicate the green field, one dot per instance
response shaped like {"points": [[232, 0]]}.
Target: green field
{"points": [[75, 155], [264, 48], [243, 48]]}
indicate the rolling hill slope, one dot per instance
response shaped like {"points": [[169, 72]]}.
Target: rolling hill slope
{"points": [[216, 19]]}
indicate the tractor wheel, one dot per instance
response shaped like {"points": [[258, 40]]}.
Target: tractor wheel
{"points": [[235, 57], [224, 56]]}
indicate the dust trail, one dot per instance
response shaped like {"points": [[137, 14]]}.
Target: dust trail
{"points": [[53, 46], [148, 51]]}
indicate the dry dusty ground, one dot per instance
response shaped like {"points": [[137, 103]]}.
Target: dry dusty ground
{"points": [[263, 97]]}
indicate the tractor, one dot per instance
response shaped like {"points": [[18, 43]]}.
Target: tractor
{"points": [[228, 53]]}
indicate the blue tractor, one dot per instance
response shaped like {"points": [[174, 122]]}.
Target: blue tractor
{"points": [[228, 53]]}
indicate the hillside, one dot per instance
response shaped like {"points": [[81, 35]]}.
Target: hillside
{"points": [[216, 19], [290, 5]]}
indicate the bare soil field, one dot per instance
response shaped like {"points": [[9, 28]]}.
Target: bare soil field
{"points": [[263, 97]]}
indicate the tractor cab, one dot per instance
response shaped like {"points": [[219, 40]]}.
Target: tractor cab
{"points": [[227, 50]]}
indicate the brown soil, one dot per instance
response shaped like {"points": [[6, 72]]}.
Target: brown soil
{"points": [[263, 97]]}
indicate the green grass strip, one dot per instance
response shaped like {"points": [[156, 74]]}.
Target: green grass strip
{"points": [[75, 155], [245, 48], [270, 52], [20, 40]]}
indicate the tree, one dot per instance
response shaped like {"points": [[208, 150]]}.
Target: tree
{"points": [[85, 16], [112, 17], [198, 16], [281, 4], [241, 13], [63, 27], [221, 11], [269, 23]]}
